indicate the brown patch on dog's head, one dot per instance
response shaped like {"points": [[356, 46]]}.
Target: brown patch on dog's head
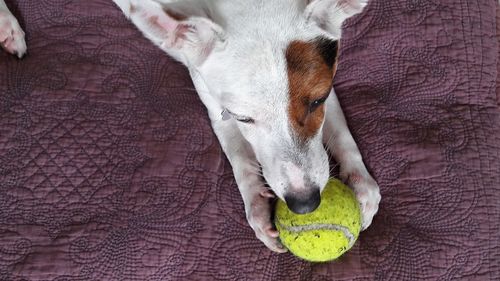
{"points": [[311, 66]]}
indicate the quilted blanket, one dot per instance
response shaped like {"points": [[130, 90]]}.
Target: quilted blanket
{"points": [[109, 169]]}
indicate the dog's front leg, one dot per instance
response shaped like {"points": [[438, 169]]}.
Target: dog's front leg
{"points": [[256, 196], [253, 191], [11, 34], [342, 146]]}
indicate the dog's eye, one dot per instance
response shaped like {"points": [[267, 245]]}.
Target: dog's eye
{"points": [[315, 104], [247, 120]]}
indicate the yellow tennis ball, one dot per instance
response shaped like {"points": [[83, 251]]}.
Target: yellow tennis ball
{"points": [[327, 232]]}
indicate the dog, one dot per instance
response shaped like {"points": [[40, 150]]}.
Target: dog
{"points": [[264, 71]]}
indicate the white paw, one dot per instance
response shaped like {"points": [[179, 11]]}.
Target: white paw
{"points": [[11, 35], [259, 217], [366, 189]]}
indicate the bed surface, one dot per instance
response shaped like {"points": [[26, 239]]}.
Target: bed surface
{"points": [[109, 169]]}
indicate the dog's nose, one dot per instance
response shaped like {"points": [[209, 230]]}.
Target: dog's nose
{"points": [[301, 203]]}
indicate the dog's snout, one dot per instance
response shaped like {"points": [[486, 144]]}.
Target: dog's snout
{"points": [[303, 203]]}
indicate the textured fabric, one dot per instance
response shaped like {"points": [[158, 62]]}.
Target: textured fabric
{"points": [[109, 169]]}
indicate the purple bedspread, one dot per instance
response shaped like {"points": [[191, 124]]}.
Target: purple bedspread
{"points": [[109, 169]]}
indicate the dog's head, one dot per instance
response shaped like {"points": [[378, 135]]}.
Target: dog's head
{"points": [[271, 71]]}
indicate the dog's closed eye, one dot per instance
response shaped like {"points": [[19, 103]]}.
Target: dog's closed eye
{"points": [[244, 119], [239, 118]]}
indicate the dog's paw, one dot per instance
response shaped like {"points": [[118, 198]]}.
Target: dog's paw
{"points": [[259, 217], [366, 189], [11, 35]]}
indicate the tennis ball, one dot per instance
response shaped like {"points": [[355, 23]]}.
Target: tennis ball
{"points": [[327, 232]]}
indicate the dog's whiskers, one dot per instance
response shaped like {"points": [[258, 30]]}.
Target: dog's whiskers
{"points": [[328, 143], [257, 174], [333, 167], [255, 168]]}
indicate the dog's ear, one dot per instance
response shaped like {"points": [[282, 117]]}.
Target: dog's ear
{"points": [[330, 14], [182, 29]]}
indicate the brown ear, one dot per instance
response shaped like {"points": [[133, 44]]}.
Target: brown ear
{"points": [[330, 14]]}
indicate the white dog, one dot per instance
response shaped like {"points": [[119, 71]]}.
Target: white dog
{"points": [[264, 70], [11, 34]]}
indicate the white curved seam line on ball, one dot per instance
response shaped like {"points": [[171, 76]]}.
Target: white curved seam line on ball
{"points": [[319, 226]]}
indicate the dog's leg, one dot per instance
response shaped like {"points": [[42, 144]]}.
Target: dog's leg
{"points": [[253, 191], [255, 194], [342, 146], [11, 34]]}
